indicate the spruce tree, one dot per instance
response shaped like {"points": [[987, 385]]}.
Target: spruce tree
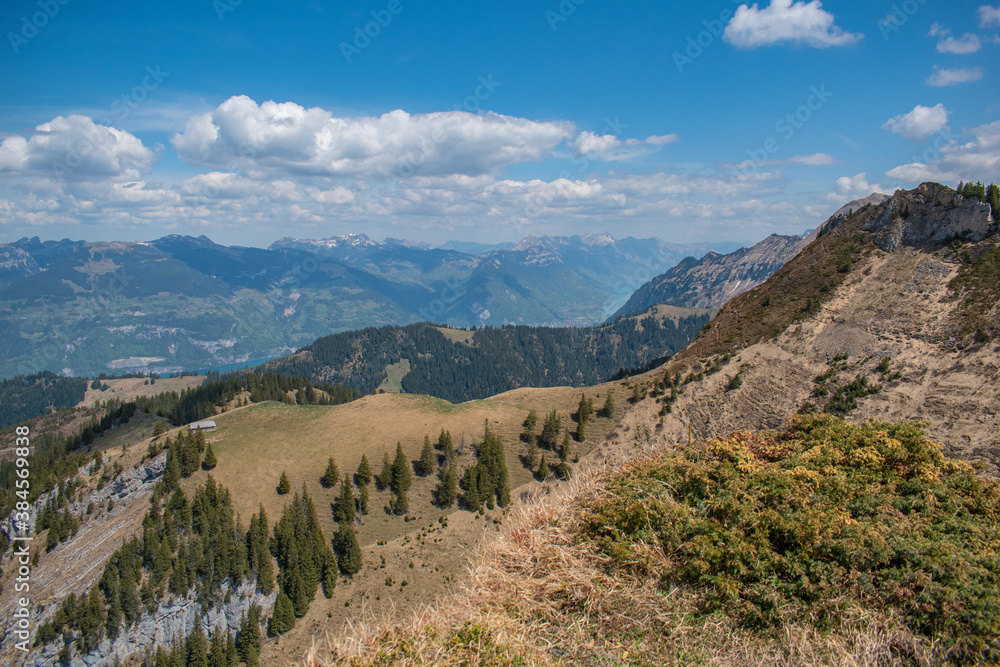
{"points": [[346, 508], [210, 461], [217, 650], [363, 500], [608, 408], [447, 491], [197, 647], [232, 658], [385, 477], [364, 471], [329, 573], [530, 422], [283, 618], [172, 475], [543, 470], [332, 474], [284, 486], [427, 462], [564, 451], [401, 473], [248, 640], [349, 556]]}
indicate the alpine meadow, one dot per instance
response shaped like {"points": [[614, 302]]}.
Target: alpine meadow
{"points": [[525, 333]]}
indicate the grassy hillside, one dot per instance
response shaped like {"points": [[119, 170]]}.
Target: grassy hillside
{"points": [[819, 544]]}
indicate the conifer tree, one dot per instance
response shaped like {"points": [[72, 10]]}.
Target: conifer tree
{"points": [[549, 437], [363, 500], [172, 475], [444, 441], [543, 470], [332, 474], [349, 551], [210, 461], [329, 573], [564, 451], [232, 658], [345, 509], [197, 647], [608, 408], [364, 472], [401, 474], [531, 456], [385, 477], [530, 422], [283, 618], [427, 462], [248, 639], [284, 486], [447, 491], [217, 650]]}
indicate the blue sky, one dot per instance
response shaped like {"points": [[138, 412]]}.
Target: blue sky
{"points": [[486, 121]]}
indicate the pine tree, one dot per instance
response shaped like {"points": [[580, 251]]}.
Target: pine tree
{"points": [[345, 509], [564, 451], [210, 461], [332, 474], [232, 658], [283, 618], [427, 462], [543, 470], [531, 456], [447, 492], [349, 556], [284, 486]]}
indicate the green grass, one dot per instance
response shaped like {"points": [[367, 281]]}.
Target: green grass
{"points": [[394, 374], [810, 522]]}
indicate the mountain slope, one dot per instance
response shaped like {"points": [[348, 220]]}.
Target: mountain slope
{"points": [[714, 279]]}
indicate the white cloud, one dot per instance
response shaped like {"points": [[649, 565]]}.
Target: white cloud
{"points": [[938, 30], [786, 21], [814, 160], [75, 148], [988, 16], [941, 76], [967, 43], [919, 123], [610, 148], [286, 139], [854, 187], [977, 160]]}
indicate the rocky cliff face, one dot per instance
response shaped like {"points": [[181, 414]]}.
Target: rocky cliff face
{"points": [[714, 279], [174, 618], [15, 264], [928, 215]]}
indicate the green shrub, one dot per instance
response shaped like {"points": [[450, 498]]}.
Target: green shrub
{"points": [[809, 521]]}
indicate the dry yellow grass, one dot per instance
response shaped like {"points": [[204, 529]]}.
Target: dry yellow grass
{"points": [[125, 389], [537, 596]]}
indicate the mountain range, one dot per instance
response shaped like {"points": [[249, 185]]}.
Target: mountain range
{"points": [[183, 303]]}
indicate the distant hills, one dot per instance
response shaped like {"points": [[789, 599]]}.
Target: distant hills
{"points": [[182, 303], [459, 365]]}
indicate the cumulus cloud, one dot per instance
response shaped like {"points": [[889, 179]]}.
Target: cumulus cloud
{"points": [[610, 148], [988, 16], [978, 159], [854, 187], [941, 76], [287, 139], [75, 148], [784, 21], [967, 43], [919, 123]]}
